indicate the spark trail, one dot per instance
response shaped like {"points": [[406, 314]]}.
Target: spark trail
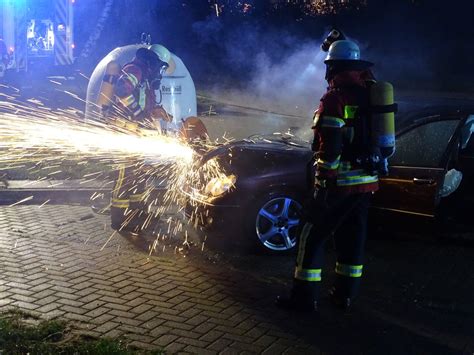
{"points": [[25, 132], [40, 140]]}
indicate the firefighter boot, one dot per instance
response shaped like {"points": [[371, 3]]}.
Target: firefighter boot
{"points": [[117, 217], [142, 217], [125, 220], [341, 302], [302, 298], [142, 221], [344, 292]]}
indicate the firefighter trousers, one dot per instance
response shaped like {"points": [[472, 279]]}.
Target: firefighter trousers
{"points": [[344, 217], [129, 195]]}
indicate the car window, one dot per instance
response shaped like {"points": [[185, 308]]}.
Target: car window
{"points": [[424, 146], [466, 131]]}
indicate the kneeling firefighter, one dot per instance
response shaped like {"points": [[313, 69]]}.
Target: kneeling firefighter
{"points": [[353, 136], [135, 89]]}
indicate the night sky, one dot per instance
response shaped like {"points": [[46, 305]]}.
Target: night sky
{"points": [[269, 57], [417, 44]]}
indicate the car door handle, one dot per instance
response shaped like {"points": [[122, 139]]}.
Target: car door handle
{"points": [[421, 181]]}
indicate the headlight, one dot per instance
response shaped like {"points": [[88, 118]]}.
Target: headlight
{"points": [[219, 185]]}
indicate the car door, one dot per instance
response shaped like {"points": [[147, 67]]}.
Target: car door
{"points": [[418, 167]]}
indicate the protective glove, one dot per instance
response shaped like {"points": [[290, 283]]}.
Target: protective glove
{"points": [[321, 183], [315, 205], [321, 191], [138, 116], [159, 113], [320, 197]]}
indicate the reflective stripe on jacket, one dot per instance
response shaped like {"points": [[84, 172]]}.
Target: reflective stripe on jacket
{"points": [[133, 89], [337, 133]]}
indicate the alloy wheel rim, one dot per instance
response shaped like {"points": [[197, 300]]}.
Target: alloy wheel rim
{"points": [[276, 223]]}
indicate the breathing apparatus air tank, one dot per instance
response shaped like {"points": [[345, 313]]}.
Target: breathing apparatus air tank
{"points": [[105, 99], [382, 121]]}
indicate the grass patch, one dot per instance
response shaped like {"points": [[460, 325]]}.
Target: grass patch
{"points": [[22, 333]]}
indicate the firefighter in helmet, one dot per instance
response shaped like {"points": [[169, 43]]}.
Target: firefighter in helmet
{"points": [[346, 169], [139, 79], [135, 89]]}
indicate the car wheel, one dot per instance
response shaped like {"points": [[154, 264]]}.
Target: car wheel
{"points": [[273, 222]]}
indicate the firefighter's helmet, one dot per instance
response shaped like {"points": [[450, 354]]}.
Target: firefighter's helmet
{"points": [[343, 50], [148, 57], [346, 53], [165, 56], [162, 52]]}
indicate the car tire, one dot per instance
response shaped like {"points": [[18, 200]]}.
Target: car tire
{"points": [[271, 223]]}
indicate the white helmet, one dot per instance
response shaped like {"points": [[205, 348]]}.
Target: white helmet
{"points": [[345, 50], [165, 56]]}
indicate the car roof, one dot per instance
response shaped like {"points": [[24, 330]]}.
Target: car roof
{"points": [[408, 118]]}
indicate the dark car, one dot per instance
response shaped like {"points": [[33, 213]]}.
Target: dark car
{"points": [[259, 197]]}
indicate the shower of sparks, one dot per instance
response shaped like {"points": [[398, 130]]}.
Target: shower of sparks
{"points": [[29, 134], [42, 140], [48, 144]]}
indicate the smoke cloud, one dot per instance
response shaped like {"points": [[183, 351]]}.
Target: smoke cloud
{"points": [[280, 71], [275, 64], [293, 85], [269, 69]]}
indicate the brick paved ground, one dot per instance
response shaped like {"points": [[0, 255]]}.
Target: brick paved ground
{"points": [[53, 262]]}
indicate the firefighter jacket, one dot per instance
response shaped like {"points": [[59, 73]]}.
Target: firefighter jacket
{"points": [[134, 90], [340, 134]]}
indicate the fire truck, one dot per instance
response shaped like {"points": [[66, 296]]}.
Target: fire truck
{"points": [[35, 34]]}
